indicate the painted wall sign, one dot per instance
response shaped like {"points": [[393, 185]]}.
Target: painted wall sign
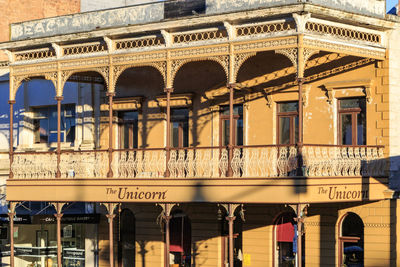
{"points": [[335, 193], [125, 193], [89, 21]]}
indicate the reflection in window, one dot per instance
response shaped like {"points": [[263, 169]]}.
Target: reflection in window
{"points": [[352, 121], [288, 123], [237, 125], [45, 124]]}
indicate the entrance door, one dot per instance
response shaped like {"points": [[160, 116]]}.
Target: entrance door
{"points": [[127, 239]]}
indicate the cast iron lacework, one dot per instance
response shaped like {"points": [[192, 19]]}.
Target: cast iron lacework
{"points": [[204, 35], [130, 43], [256, 29], [34, 54], [78, 49], [342, 32]]}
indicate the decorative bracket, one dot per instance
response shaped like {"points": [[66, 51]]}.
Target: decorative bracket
{"points": [[290, 53], [58, 206], [239, 59], [231, 208], [301, 21], [110, 207]]}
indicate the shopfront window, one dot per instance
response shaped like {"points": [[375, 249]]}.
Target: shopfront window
{"points": [[288, 123], [237, 125], [35, 235], [45, 124], [351, 241], [285, 254], [352, 121]]}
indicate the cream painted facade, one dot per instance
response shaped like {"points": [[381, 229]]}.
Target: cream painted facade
{"points": [[236, 69]]}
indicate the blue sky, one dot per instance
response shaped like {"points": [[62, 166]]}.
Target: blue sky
{"points": [[390, 4]]}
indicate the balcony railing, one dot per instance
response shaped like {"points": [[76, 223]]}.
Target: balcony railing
{"points": [[4, 161], [268, 161]]}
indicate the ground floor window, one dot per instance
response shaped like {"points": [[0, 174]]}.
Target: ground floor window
{"points": [[180, 240], [285, 246], [351, 241], [127, 237]]}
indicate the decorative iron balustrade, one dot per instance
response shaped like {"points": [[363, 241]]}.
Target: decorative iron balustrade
{"points": [[34, 165], [323, 161], [84, 164], [139, 163], [4, 161], [271, 161]]}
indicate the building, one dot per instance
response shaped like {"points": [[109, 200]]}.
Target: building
{"points": [[265, 132]]}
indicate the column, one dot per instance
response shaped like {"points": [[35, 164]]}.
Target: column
{"points": [[167, 219], [59, 246], [230, 218], [111, 217], [231, 131], [11, 102], [11, 218], [58, 99], [110, 133], [168, 142]]}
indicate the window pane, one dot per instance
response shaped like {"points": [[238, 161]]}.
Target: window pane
{"points": [[237, 110], [44, 130], [175, 134], [125, 136], [185, 128], [225, 133], [288, 107], [296, 129], [361, 129], [284, 130], [347, 132], [53, 119], [350, 103], [239, 132], [130, 116]]}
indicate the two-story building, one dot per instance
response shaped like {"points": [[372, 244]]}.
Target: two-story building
{"points": [[207, 133]]}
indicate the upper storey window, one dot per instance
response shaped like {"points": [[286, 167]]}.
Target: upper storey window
{"points": [[237, 125], [180, 127], [352, 121], [128, 129], [288, 123], [45, 124]]}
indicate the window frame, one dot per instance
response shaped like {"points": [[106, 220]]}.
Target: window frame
{"points": [[292, 116], [133, 127], [181, 128], [354, 112], [236, 117], [64, 115]]}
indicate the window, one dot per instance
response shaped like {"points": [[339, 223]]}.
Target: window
{"points": [[352, 121], [126, 245], [351, 241], [237, 125], [180, 127], [45, 124], [128, 129], [180, 248], [288, 123]]}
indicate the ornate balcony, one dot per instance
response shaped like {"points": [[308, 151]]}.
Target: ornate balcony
{"points": [[270, 161]]}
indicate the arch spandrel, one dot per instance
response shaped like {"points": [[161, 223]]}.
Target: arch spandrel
{"points": [[17, 81], [176, 65], [118, 70], [66, 74]]}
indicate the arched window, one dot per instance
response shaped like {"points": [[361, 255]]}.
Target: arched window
{"points": [[180, 239], [284, 234], [127, 239], [351, 241]]}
